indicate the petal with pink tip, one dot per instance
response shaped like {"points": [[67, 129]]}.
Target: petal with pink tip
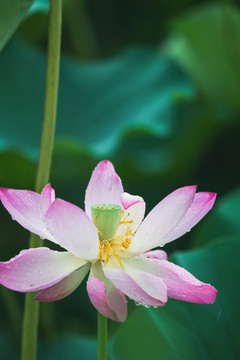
{"points": [[48, 197], [64, 287], [26, 208], [179, 282], [144, 288], [36, 269], [108, 300], [104, 187], [134, 207], [129, 200], [73, 229], [184, 286], [155, 254], [162, 220], [202, 204]]}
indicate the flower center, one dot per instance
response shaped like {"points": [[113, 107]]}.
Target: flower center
{"points": [[112, 242], [106, 218]]}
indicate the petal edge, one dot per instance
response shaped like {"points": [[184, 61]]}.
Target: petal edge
{"points": [[37, 268], [104, 187]]}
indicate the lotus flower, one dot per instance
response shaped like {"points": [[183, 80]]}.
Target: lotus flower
{"points": [[110, 240]]}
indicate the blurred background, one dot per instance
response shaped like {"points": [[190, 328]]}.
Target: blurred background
{"points": [[154, 87]]}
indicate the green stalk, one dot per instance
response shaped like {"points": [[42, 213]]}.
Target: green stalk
{"points": [[31, 310], [102, 337]]}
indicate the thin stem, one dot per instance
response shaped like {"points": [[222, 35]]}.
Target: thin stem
{"points": [[102, 337], [31, 311]]}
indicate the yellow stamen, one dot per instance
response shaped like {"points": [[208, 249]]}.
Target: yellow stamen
{"points": [[94, 224], [118, 244], [95, 217], [118, 259], [109, 251], [124, 220]]}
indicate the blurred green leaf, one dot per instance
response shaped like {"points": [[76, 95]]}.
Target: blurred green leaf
{"points": [[206, 43], [223, 220], [72, 347], [133, 109], [191, 331], [39, 6], [16, 170], [8, 351], [99, 103], [11, 14]]}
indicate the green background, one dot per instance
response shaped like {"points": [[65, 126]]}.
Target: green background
{"points": [[154, 87]]}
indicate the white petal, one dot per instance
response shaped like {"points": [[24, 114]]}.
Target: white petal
{"points": [[105, 187], [141, 286], [64, 287], [26, 208], [73, 229], [162, 220], [134, 207], [36, 269], [201, 205], [48, 197]]}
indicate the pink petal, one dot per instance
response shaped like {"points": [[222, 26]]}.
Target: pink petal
{"points": [[73, 229], [48, 197], [155, 254], [180, 283], [26, 208], [105, 187], [37, 269], [108, 300], [162, 220], [202, 203], [128, 200], [64, 287], [144, 288], [134, 207], [184, 286]]}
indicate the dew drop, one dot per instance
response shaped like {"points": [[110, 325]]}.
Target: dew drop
{"points": [[13, 218]]}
